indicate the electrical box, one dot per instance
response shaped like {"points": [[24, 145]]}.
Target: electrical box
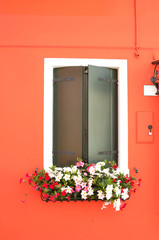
{"points": [[144, 128]]}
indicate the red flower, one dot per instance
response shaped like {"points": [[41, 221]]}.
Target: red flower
{"points": [[115, 166], [45, 185], [114, 181], [139, 180], [40, 190], [123, 205], [41, 177], [45, 196], [132, 183], [27, 175], [64, 193], [57, 194], [29, 180], [21, 180], [47, 178], [52, 186], [68, 198], [133, 190]]}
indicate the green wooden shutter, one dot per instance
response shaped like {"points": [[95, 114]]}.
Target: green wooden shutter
{"points": [[102, 114], [67, 123]]}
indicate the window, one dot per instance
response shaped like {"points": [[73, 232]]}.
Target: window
{"points": [[85, 115], [121, 131]]}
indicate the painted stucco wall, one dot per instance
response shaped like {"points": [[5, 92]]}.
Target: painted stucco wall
{"points": [[33, 30]]}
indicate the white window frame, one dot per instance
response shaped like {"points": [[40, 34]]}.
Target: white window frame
{"points": [[121, 66]]}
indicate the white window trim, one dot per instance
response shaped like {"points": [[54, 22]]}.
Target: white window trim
{"points": [[121, 65]]}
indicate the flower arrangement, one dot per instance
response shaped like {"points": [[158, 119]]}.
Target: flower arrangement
{"points": [[84, 181]]}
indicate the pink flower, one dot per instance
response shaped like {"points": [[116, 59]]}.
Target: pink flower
{"points": [[78, 188], [21, 180], [35, 187], [52, 198], [91, 166], [80, 164], [45, 196], [86, 188], [85, 174]]}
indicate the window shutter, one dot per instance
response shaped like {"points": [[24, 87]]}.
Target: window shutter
{"points": [[67, 123], [102, 114]]}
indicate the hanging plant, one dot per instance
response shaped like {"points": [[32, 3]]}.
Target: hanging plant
{"points": [[84, 181]]}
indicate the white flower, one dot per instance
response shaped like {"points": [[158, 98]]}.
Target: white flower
{"points": [[117, 204], [77, 179], [63, 189], [105, 204], [118, 183], [84, 194], [98, 167], [100, 195], [98, 174], [109, 190], [59, 176], [73, 169], [117, 191], [106, 171], [90, 181], [92, 170], [66, 177], [83, 184], [101, 163], [124, 194], [108, 195], [69, 189], [66, 169], [90, 192], [50, 172]]}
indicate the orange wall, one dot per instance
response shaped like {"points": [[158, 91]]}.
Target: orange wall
{"points": [[31, 31]]}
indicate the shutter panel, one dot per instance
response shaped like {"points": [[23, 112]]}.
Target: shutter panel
{"points": [[67, 123], [102, 114]]}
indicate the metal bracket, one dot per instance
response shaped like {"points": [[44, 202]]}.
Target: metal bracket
{"points": [[63, 79], [63, 152], [108, 80], [108, 152]]}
